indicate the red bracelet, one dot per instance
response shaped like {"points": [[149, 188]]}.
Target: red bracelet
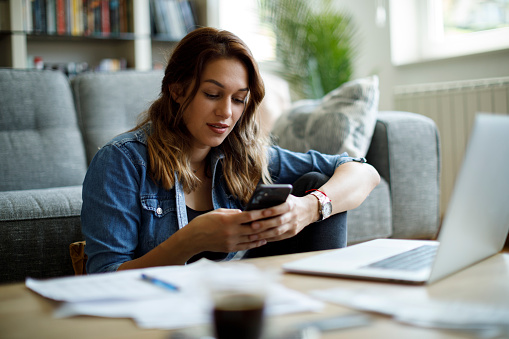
{"points": [[308, 191]]}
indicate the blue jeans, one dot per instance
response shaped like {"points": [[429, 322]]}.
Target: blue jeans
{"points": [[327, 234]]}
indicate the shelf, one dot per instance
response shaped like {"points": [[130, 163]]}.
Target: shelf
{"points": [[92, 37], [141, 49], [110, 37], [90, 51]]}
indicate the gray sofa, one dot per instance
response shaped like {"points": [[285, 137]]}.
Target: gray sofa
{"points": [[50, 128]]}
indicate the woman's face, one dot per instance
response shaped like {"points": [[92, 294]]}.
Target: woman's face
{"points": [[218, 104]]}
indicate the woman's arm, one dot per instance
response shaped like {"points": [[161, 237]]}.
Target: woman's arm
{"points": [[221, 230], [176, 250], [348, 187], [113, 226]]}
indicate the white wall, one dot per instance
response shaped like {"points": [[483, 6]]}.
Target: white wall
{"points": [[374, 57]]}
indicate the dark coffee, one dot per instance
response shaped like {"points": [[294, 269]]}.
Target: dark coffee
{"points": [[239, 317]]}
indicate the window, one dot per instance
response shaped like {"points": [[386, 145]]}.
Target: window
{"points": [[242, 18], [436, 29], [469, 16]]}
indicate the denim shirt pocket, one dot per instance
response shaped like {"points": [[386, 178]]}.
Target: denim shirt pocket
{"points": [[159, 221], [158, 206]]}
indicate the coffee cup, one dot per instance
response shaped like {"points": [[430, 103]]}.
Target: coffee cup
{"points": [[238, 297]]}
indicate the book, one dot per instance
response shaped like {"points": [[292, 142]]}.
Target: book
{"points": [[114, 17], [38, 20], [68, 17], [105, 17], [187, 15], [51, 22], [171, 19], [5, 21], [177, 28], [123, 16], [60, 17], [76, 17]]}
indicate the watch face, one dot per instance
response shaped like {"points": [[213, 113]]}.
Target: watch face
{"points": [[326, 210], [325, 205]]}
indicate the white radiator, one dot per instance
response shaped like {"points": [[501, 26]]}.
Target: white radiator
{"points": [[453, 105]]}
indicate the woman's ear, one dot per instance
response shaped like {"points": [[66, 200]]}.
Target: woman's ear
{"points": [[176, 93]]}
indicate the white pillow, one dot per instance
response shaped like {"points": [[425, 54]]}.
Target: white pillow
{"points": [[342, 121], [275, 103]]}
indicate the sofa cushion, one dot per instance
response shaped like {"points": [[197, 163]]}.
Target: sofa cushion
{"points": [[342, 121], [406, 152], [37, 248], [36, 228], [44, 203], [109, 104], [41, 142], [373, 218]]}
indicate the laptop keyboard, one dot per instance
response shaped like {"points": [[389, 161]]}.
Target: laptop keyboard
{"points": [[412, 260]]}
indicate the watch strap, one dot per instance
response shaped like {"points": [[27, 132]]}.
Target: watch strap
{"points": [[324, 203]]}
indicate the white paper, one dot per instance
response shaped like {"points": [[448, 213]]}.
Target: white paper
{"points": [[125, 295], [416, 307], [124, 285], [178, 310]]}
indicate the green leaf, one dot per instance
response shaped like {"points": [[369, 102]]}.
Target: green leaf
{"points": [[315, 44]]}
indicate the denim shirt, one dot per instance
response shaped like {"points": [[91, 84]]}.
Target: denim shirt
{"points": [[125, 214]]}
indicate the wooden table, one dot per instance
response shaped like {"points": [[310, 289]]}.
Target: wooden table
{"points": [[25, 314]]}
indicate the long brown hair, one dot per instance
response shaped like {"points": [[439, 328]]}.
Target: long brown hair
{"points": [[169, 148]]}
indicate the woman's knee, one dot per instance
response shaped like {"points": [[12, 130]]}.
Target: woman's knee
{"points": [[326, 234], [308, 181]]}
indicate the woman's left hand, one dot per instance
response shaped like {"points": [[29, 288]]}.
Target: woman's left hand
{"points": [[285, 220]]}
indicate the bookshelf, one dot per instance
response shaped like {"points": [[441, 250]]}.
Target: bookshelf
{"points": [[137, 45], [206, 14]]}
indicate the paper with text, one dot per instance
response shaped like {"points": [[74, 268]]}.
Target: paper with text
{"points": [[126, 295]]}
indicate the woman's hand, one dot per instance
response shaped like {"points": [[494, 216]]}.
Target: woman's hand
{"points": [[283, 221], [223, 230], [229, 230]]}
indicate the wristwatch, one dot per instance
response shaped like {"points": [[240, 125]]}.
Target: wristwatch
{"points": [[325, 204]]}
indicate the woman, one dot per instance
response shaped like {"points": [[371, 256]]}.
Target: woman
{"points": [[172, 190]]}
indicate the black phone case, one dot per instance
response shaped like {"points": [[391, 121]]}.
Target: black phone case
{"points": [[266, 196]]}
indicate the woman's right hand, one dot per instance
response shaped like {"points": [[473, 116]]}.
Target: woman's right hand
{"points": [[222, 230]]}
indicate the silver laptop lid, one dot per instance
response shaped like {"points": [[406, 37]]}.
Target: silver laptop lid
{"points": [[477, 218]]}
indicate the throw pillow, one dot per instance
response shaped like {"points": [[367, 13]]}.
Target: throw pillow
{"points": [[342, 121], [275, 103]]}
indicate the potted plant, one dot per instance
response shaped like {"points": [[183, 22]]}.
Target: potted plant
{"points": [[314, 44]]}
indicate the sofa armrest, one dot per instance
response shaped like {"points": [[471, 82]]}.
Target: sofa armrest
{"points": [[405, 150], [36, 229]]}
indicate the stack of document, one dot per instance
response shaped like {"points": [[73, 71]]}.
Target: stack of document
{"points": [[415, 306], [161, 297]]}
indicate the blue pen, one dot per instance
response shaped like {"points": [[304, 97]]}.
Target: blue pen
{"points": [[159, 282]]}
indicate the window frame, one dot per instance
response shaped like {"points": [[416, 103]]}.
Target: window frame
{"points": [[417, 34]]}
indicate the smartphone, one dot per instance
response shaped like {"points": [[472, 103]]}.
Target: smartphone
{"points": [[266, 196]]}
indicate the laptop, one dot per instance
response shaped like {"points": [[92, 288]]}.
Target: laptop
{"points": [[474, 228]]}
